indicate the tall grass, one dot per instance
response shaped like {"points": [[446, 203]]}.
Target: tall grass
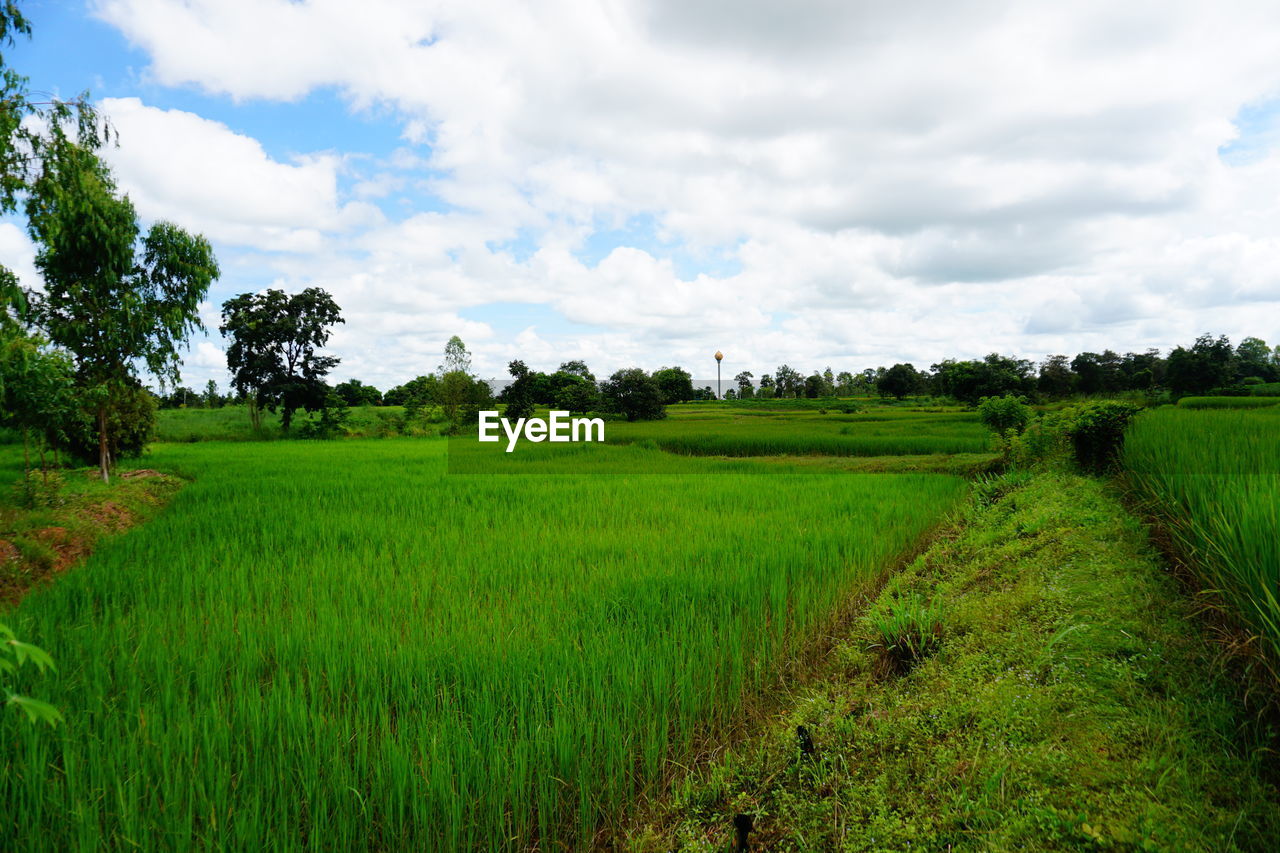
{"points": [[337, 645], [1228, 402], [730, 432], [1218, 474]]}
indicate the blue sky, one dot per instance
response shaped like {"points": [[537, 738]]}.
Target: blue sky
{"points": [[642, 183]]}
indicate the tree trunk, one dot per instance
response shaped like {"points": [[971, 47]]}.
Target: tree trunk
{"points": [[255, 417], [104, 459]]}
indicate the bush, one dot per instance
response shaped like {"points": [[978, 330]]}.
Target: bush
{"points": [[1097, 433], [1005, 416], [131, 425]]}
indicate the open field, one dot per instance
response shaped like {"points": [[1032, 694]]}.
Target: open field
{"points": [[336, 644], [1215, 476], [738, 430]]}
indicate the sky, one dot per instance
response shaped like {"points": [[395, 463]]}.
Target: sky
{"points": [[838, 183]]}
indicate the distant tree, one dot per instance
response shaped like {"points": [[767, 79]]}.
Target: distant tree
{"points": [[415, 394], [272, 356], [1142, 371], [814, 386], [1208, 364], [844, 384], [110, 299], [573, 392], [787, 381], [994, 376], [899, 381], [578, 368], [1056, 379], [634, 394], [1254, 358], [766, 381], [745, 389], [675, 383], [1099, 373], [212, 399], [353, 392], [519, 394], [461, 394], [730, 394]]}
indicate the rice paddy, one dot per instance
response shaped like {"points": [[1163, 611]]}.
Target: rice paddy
{"points": [[340, 645], [1216, 473]]}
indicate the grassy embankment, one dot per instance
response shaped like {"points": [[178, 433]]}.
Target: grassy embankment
{"points": [[334, 644], [75, 511], [1064, 699]]}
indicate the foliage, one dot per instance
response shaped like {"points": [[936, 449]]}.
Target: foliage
{"points": [[109, 299], [633, 393], [519, 394], [333, 416], [994, 376], [355, 393], [675, 385], [40, 489], [1097, 433], [13, 655], [899, 381], [36, 394], [1207, 364], [130, 426], [272, 356], [1005, 416]]}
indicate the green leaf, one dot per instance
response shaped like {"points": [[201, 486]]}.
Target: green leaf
{"points": [[36, 710], [38, 656]]}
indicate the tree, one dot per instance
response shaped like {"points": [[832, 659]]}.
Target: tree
{"points": [[578, 368], [844, 384], [573, 392], [212, 399], [456, 357], [814, 386], [675, 383], [36, 393], [272, 356], [461, 395], [1253, 358], [745, 389], [353, 392], [787, 382], [110, 300], [1209, 364], [1056, 377], [633, 393], [519, 394], [899, 381]]}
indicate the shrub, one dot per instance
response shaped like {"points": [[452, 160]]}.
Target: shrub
{"points": [[131, 424], [40, 489], [1097, 433], [1004, 415]]}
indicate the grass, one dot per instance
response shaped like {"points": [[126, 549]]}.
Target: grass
{"points": [[231, 423], [339, 645], [742, 430], [1214, 475], [1069, 702], [1228, 402]]}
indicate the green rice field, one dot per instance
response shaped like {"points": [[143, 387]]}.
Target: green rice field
{"points": [[339, 645], [1216, 475]]}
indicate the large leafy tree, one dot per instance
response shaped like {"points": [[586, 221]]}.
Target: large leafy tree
{"points": [[112, 298], [675, 383], [633, 393], [272, 356]]}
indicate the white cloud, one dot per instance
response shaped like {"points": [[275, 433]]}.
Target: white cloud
{"points": [[901, 180]]}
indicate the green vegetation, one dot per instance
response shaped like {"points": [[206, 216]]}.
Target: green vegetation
{"points": [[1229, 402], [1068, 703], [335, 644], [1215, 478], [750, 430]]}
